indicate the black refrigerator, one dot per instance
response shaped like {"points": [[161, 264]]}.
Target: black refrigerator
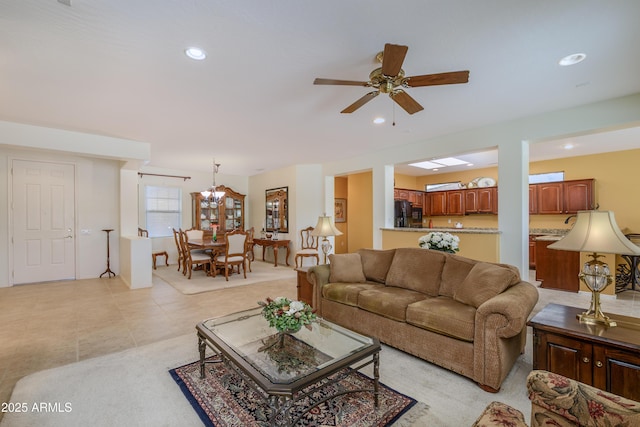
{"points": [[402, 213]]}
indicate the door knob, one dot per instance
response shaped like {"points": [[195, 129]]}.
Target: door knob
{"points": [[599, 364], [585, 359]]}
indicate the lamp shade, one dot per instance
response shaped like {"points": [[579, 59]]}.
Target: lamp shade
{"points": [[596, 231], [325, 227]]}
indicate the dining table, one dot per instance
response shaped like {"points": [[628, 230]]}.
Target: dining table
{"points": [[216, 247]]}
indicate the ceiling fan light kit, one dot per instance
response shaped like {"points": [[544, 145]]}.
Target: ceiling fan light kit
{"points": [[390, 79]]}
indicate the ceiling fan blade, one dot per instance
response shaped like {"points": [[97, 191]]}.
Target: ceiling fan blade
{"points": [[449, 78], [403, 99], [339, 82], [360, 102], [392, 59]]}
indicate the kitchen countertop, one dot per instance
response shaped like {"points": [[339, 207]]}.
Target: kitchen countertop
{"points": [[469, 230], [547, 231]]}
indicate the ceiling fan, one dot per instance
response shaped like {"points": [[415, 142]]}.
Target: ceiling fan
{"points": [[390, 79]]}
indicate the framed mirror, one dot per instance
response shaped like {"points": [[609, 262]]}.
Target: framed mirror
{"points": [[277, 210]]}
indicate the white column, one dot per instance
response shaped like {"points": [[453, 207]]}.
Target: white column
{"points": [[135, 252], [382, 199], [513, 204]]}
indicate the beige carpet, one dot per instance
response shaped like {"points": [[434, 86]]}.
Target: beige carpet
{"points": [[200, 282]]}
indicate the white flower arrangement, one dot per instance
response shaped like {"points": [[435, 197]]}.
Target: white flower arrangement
{"points": [[287, 315], [440, 241]]}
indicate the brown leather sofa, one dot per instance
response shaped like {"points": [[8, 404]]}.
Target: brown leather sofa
{"points": [[562, 402], [464, 315]]}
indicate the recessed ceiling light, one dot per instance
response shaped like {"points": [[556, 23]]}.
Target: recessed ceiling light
{"points": [[195, 53], [568, 146], [572, 59], [378, 120]]}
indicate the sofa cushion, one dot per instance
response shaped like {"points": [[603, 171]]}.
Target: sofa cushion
{"points": [[444, 316], [376, 263], [483, 282], [346, 268], [346, 293], [388, 301], [417, 269], [455, 269]]}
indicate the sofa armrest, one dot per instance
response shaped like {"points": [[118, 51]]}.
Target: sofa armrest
{"points": [[557, 400], [318, 276], [515, 304]]}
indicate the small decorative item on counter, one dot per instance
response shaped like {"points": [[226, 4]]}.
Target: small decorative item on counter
{"points": [[430, 223], [286, 315], [440, 241]]}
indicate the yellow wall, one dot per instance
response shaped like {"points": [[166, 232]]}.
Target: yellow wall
{"points": [[616, 176], [359, 211], [483, 247], [341, 191]]}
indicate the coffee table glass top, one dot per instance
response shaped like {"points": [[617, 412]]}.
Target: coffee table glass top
{"points": [[285, 358]]}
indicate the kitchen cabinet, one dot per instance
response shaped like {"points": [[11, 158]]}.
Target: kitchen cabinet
{"points": [[481, 200], [533, 199], [415, 197], [566, 197], [437, 203], [227, 215], [400, 194], [445, 203], [556, 269], [532, 251], [455, 202], [604, 357]]}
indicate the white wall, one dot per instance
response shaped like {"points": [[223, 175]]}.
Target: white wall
{"points": [[305, 201], [97, 208], [198, 181]]}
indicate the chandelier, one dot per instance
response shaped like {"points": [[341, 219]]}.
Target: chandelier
{"points": [[211, 194]]}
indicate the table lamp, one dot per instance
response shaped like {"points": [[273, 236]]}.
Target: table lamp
{"points": [[598, 233], [325, 228]]}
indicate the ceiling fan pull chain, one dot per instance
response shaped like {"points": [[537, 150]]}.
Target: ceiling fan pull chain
{"points": [[393, 123]]}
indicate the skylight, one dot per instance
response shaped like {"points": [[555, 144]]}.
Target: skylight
{"points": [[439, 163]]}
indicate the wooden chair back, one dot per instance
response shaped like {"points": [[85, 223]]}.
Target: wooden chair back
{"points": [[308, 240]]}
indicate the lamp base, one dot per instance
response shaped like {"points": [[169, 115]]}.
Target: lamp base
{"points": [[595, 319]]}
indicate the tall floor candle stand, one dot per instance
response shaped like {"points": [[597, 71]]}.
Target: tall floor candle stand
{"points": [[108, 271]]}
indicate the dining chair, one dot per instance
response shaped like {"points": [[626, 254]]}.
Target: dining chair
{"points": [[176, 238], [154, 255], [194, 234], [309, 246], [250, 245], [193, 258], [235, 254]]}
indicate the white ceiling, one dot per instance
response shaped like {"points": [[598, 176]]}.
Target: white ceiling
{"points": [[117, 68]]}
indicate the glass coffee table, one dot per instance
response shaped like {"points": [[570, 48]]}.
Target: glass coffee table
{"points": [[285, 368]]}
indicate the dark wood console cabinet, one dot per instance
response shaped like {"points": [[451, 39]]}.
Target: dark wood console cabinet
{"points": [[305, 289], [606, 358]]}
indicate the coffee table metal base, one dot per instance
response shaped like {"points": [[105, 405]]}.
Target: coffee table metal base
{"points": [[282, 402]]}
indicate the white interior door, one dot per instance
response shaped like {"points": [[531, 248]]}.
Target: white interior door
{"points": [[43, 214]]}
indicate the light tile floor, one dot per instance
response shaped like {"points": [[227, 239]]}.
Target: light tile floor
{"points": [[52, 324]]}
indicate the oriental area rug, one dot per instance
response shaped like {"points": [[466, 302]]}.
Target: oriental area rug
{"points": [[223, 399]]}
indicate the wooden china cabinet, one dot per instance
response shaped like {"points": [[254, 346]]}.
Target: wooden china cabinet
{"points": [[228, 215]]}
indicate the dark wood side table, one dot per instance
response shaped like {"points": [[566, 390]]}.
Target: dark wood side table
{"points": [[305, 289], [606, 358]]}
